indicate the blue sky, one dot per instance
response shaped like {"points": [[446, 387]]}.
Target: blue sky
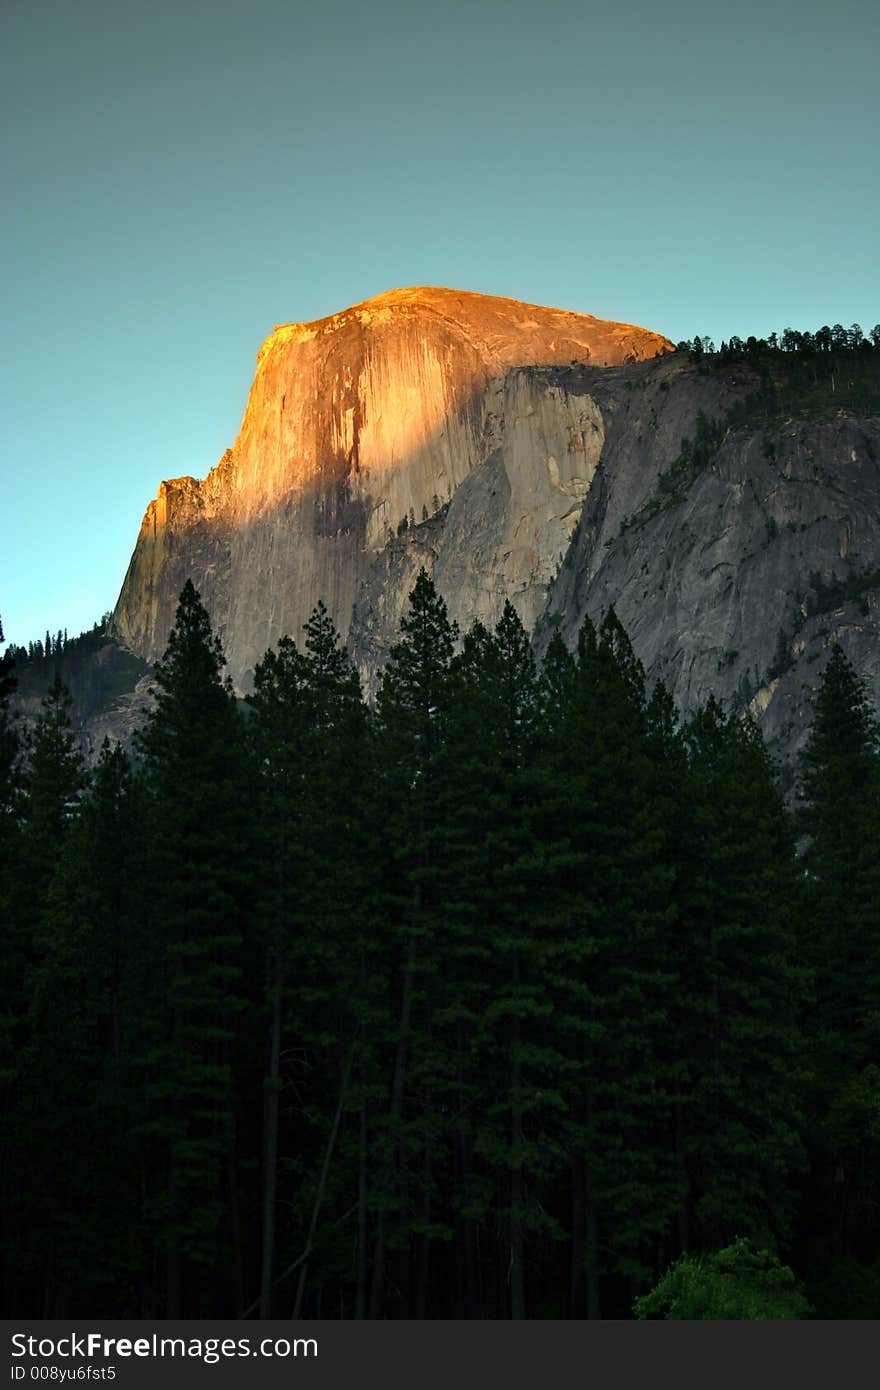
{"points": [[180, 175]]}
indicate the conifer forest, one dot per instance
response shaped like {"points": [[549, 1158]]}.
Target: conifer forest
{"points": [[493, 998]]}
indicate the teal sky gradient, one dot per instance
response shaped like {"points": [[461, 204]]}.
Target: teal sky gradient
{"points": [[181, 175]]}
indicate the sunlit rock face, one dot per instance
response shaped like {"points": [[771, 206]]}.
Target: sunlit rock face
{"points": [[399, 432]]}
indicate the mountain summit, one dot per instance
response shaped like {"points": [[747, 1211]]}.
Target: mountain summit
{"points": [[359, 426]]}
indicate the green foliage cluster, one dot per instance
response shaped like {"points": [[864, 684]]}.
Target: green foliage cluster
{"points": [[507, 997], [737, 1282]]}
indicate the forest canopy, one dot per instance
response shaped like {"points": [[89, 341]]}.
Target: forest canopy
{"points": [[496, 999]]}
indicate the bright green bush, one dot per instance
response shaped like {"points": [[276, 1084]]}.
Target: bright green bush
{"points": [[738, 1282]]}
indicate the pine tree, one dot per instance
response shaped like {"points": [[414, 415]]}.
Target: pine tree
{"points": [[278, 730], [52, 784], [200, 859], [741, 988], [669, 795], [10, 785], [412, 712], [10, 747], [345, 1002], [500, 994], [54, 779], [13, 976], [604, 909], [82, 1069], [840, 791], [310, 736]]}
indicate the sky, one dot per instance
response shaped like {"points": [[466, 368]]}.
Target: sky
{"points": [[180, 175]]}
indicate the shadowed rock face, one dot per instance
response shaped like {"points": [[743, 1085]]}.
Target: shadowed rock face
{"points": [[363, 425], [718, 587]]}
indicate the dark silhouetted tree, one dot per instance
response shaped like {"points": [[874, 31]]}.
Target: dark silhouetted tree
{"points": [[201, 863]]}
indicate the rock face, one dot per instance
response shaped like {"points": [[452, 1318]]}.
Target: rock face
{"points": [[364, 425], [517, 452], [739, 584]]}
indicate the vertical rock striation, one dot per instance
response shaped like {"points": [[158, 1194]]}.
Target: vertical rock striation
{"points": [[360, 427]]}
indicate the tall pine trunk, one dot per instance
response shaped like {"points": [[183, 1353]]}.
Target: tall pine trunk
{"points": [[361, 1291], [395, 1110], [517, 1273], [682, 1215], [363, 1162], [578, 1239], [466, 1282], [235, 1218], [322, 1183], [270, 1134], [594, 1304], [423, 1258], [173, 1290]]}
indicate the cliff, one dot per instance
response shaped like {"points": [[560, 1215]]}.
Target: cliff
{"points": [[361, 425], [734, 572], [546, 457]]}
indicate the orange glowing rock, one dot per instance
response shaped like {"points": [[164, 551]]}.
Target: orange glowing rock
{"points": [[356, 424]]}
